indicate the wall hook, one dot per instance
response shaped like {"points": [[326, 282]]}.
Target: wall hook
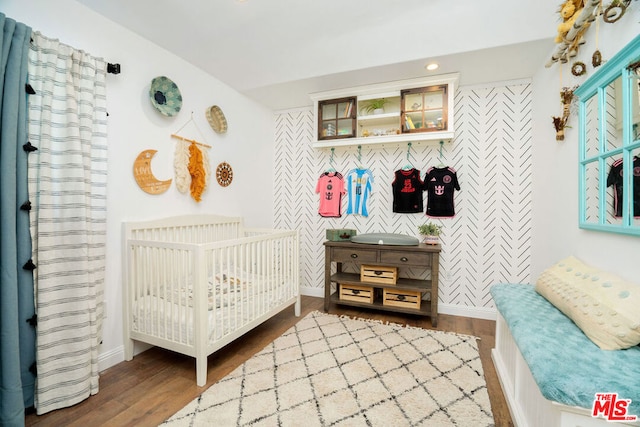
{"points": [[113, 68]]}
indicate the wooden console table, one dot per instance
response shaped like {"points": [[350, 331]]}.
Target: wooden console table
{"points": [[421, 256]]}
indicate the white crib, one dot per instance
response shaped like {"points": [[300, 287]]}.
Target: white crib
{"points": [[193, 284]]}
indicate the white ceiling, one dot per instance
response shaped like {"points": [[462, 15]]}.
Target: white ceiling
{"points": [[279, 51]]}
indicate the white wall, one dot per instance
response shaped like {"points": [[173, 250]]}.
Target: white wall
{"points": [[489, 239], [555, 180], [134, 126]]}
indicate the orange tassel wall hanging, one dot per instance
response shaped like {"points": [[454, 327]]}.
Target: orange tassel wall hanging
{"points": [[197, 172], [191, 164]]}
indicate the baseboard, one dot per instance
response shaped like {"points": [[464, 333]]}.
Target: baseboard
{"points": [[114, 356], [312, 292], [466, 311], [454, 310], [110, 358]]}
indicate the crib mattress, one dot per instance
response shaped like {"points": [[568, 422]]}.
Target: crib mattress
{"points": [[232, 301], [158, 317], [566, 365]]}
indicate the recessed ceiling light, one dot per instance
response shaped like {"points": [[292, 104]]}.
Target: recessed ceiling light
{"points": [[431, 67]]}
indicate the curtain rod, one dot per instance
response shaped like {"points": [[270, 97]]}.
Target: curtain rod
{"points": [[111, 68]]}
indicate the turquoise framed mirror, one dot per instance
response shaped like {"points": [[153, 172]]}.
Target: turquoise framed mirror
{"points": [[609, 145]]}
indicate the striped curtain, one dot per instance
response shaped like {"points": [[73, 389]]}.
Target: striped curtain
{"points": [[67, 188]]}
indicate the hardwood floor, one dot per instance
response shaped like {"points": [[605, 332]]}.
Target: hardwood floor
{"points": [[158, 383]]}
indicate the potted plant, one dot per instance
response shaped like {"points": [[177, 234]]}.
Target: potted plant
{"points": [[375, 106], [430, 233]]}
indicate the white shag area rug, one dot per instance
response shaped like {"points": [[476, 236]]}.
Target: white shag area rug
{"points": [[337, 371]]}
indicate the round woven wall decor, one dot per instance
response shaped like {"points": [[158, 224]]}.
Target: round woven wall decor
{"points": [[578, 68], [224, 174]]}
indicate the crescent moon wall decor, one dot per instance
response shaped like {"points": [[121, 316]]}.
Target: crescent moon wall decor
{"points": [[144, 175]]}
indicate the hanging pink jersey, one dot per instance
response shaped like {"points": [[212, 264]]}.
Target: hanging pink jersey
{"points": [[331, 189]]}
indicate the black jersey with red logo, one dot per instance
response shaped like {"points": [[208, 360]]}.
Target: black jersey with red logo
{"points": [[615, 179], [440, 184], [407, 191]]}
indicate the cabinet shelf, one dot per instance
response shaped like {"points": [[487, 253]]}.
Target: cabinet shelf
{"points": [[373, 117], [416, 110], [386, 139], [424, 310], [408, 284]]}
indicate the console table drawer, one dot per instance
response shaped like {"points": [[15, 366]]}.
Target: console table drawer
{"points": [[358, 255], [405, 258]]}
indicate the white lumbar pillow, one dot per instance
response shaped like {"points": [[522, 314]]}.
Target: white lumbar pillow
{"points": [[604, 306]]}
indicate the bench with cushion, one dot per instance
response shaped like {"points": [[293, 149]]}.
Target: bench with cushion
{"points": [[549, 368]]}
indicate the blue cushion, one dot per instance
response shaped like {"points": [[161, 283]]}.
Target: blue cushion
{"points": [[567, 366]]}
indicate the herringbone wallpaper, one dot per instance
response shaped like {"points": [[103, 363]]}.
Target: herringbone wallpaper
{"points": [[488, 241]]}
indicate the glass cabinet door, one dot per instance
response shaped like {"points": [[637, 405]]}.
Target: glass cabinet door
{"points": [[424, 109], [337, 118]]}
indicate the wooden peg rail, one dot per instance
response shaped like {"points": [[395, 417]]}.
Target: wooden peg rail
{"points": [[190, 140]]}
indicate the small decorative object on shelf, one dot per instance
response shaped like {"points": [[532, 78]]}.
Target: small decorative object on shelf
{"points": [[430, 233], [375, 106], [340, 234]]}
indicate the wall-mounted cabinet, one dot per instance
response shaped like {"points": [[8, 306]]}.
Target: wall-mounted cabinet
{"points": [[424, 109], [394, 112], [336, 118]]}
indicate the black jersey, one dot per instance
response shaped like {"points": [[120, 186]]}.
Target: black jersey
{"points": [[440, 184], [615, 179], [407, 191]]}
